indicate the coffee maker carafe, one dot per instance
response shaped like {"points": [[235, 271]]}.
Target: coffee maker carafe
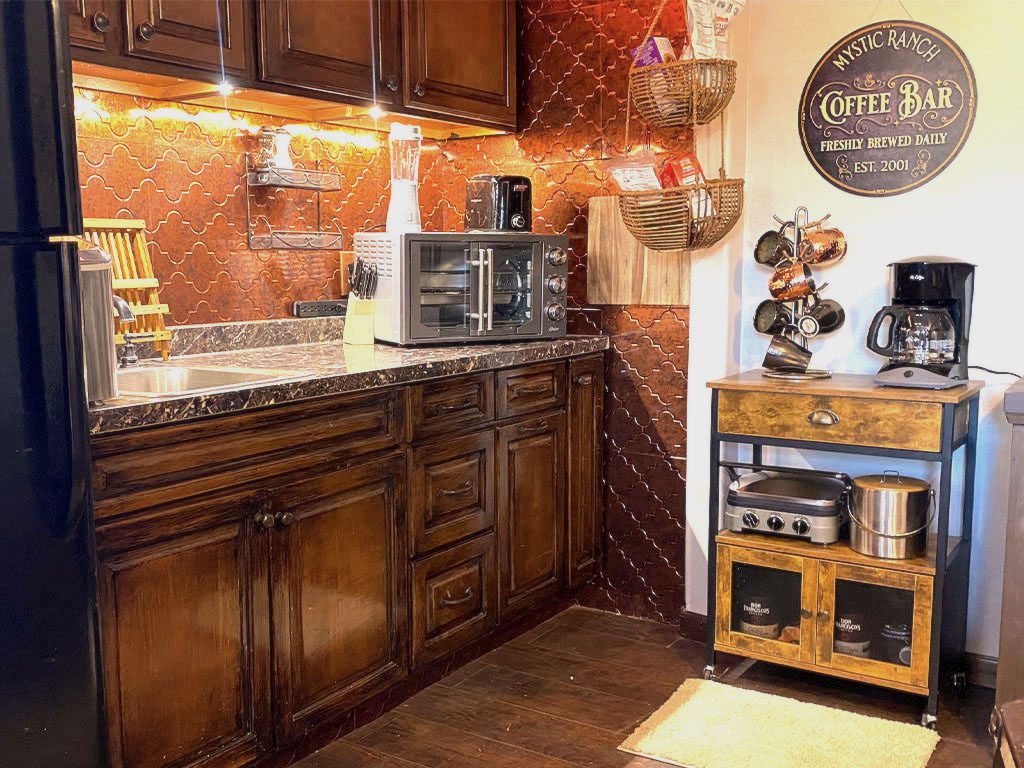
{"points": [[929, 324]]}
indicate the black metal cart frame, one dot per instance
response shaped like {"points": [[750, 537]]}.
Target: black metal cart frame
{"points": [[952, 569]]}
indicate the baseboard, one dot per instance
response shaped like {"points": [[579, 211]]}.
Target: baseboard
{"points": [[981, 670], [693, 626]]}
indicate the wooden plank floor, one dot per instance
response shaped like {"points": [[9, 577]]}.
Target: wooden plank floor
{"points": [[566, 693]]}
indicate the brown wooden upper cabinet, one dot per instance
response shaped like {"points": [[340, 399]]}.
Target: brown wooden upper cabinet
{"points": [[328, 46], [192, 33], [460, 60], [92, 24]]}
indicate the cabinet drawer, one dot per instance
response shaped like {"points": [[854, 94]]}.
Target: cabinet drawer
{"points": [[530, 389], [452, 490], [453, 405], [454, 596], [136, 470], [818, 418]]}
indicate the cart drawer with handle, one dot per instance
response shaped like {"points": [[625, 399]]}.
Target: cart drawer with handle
{"points": [[901, 424], [530, 389], [443, 407]]}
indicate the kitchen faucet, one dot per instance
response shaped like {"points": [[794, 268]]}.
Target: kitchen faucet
{"points": [[129, 355]]}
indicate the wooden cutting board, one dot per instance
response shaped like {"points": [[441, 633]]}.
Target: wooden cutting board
{"points": [[622, 271]]}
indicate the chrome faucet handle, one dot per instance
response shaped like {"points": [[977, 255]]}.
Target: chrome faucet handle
{"points": [[124, 309], [130, 352]]}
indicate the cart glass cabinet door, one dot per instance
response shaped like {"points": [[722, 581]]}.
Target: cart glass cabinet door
{"points": [[766, 603], [875, 622]]}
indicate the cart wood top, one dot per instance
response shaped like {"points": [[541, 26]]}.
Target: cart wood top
{"points": [[845, 385]]}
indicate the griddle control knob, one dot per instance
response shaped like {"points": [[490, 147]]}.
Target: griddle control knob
{"points": [[751, 520], [776, 523], [801, 527]]}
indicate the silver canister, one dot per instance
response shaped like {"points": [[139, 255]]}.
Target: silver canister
{"points": [[890, 515], [96, 289]]}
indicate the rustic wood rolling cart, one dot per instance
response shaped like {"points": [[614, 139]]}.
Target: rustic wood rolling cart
{"points": [[846, 414]]}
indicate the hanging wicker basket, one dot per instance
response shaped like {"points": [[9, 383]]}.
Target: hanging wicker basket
{"points": [[683, 218], [682, 93], [699, 215]]}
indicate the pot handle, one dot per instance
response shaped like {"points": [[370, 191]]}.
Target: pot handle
{"points": [[908, 534]]}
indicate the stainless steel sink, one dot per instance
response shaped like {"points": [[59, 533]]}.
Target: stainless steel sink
{"points": [[164, 380]]}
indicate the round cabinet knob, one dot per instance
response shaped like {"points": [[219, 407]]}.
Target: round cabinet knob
{"points": [[518, 221], [285, 518], [264, 520], [556, 284], [557, 257], [555, 312], [100, 22], [801, 527], [391, 83], [145, 31], [751, 520], [776, 523], [420, 89]]}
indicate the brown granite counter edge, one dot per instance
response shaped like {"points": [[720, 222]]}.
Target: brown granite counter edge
{"points": [[153, 413]]}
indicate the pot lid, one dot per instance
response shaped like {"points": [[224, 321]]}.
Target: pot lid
{"points": [[891, 481]]}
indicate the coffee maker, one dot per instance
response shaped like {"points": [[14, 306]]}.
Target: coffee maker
{"points": [[929, 324]]}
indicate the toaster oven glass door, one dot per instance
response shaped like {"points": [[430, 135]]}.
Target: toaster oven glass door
{"points": [[446, 290], [514, 300]]}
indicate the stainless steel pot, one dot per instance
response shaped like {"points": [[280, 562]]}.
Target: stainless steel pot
{"points": [[890, 515]]}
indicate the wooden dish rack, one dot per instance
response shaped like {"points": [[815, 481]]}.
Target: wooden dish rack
{"points": [[133, 280]]}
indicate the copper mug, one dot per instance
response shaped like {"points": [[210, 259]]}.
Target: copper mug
{"points": [[792, 280], [822, 246]]}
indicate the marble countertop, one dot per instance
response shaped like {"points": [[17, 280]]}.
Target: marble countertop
{"points": [[325, 368]]}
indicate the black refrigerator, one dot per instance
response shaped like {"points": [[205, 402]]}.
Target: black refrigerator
{"points": [[50, 710]]}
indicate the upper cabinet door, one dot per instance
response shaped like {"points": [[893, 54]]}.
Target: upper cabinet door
{"points": [[329, 46], [189, 32], [460, 59], [91, 23]]}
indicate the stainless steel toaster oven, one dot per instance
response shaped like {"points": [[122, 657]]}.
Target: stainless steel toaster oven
{"points": [[454, 286]]}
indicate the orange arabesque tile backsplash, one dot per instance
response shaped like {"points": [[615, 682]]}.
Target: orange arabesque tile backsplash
{"points": [[181, 168]]}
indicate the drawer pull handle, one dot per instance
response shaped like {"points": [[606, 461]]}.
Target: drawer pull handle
{"points": [[540, 426], [584, 379], [823, 417], [450, 407], [464, 488], [536, 389], [448, 600]]}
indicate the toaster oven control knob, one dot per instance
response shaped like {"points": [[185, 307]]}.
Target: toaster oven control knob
{"points": [[556, 312], [557, 257], [751, 520], [801, 527], [556, 284], [776, 523], [518, 221]]}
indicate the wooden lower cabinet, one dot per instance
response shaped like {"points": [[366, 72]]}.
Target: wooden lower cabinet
{"points": [[339, 591], [185, 645], [584, 455], [861, 622], [531, 511], [262, 584]]}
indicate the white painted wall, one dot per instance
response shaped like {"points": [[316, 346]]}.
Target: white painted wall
{"points": [[972, 211]]}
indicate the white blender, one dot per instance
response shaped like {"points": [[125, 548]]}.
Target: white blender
{"points": [[404, 206]]}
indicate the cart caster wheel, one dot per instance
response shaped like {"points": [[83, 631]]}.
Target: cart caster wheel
{"points": [[929, 721], [709, 672], [959, 681]]}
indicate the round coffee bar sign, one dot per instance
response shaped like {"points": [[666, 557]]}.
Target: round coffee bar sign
{"points": [[887, 108]]}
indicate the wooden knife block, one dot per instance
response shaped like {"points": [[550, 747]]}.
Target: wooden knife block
{"points": [[622, 271]]}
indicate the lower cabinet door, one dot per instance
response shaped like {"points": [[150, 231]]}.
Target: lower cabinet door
{"points": [[339, 600], [875, 622], [454, 598], [531, 511], [185, 649], [766, 604], [586, 433]]}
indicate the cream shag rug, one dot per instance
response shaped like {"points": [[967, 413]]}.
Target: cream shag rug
{"points": [[711, 725]]}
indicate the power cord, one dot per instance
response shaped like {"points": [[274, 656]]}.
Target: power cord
{"points": [[997, 373]]}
